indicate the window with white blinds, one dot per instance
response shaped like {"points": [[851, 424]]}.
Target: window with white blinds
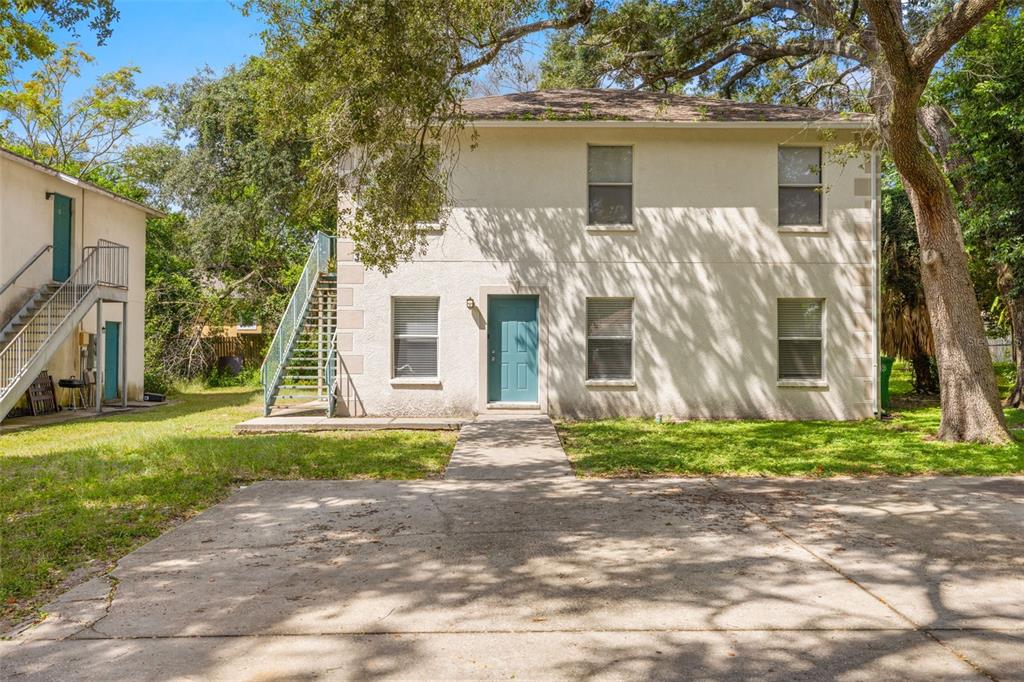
{"points": [[414, 321], [609, 338], [801, 334], [800, 186]]}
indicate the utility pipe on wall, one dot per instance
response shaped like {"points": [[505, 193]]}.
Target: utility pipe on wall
{"points": [[876, 277], [100, 355]]}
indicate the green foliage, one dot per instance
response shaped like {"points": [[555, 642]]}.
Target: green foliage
{"points": [[235, 247], [240, 189], [175, 304], [95, 489], [86, 136], [981, 87], [905, 325], [900, 253], [25, 26], [250, 376], [729, 48], [156, 382], [375, 86]]}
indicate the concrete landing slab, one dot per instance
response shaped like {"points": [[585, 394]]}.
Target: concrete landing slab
{"points": [[508, 447], [298, 424], [14, 424]]}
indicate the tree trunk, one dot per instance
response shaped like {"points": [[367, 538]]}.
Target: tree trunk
{"points": [[1015, 306], [925, 380], [968, 394]]}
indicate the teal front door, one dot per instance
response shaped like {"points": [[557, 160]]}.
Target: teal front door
{"points": [[111, 360], [513, 334], [61, 237]]}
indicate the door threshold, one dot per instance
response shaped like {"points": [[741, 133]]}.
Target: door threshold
{"points": [[500, 405]]}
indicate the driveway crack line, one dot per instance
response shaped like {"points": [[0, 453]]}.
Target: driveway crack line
{"points": [[927, 632]]}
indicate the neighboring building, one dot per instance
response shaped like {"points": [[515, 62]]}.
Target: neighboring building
{"points": [[69, 249], [617, 253]]}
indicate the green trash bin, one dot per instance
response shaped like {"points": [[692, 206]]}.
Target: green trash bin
{"points": [[886, 372]]}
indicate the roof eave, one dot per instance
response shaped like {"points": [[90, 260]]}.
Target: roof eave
{"points": [[79, 182], [616, 123]]}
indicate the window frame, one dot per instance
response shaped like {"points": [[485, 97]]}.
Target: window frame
{"points": [[436, 377], [594, 381], [631, 225], [822, 379], [819, 186]]}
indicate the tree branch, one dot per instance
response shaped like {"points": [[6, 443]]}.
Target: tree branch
{"points": [[895, 43], [766, 53], [581, 15], [964, 16]]}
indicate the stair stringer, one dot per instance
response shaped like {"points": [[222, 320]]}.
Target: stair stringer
{"points": [[38, 363]]}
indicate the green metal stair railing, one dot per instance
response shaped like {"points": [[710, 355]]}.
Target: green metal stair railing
{"points": [[290, 328], [332, 360]]}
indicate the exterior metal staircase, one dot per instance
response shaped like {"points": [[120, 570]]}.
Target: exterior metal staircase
{"points": [[298, 369], [39, 328], [27, 311]]}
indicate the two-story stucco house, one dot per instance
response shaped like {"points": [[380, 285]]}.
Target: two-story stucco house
{"points": [[620, 253], [72, 261]]}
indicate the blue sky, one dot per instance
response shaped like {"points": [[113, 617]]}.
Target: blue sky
{"points": [[169, 40]]}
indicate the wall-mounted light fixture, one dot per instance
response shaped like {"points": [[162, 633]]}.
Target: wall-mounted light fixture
{"points": [[470, 303], [50, 195]]}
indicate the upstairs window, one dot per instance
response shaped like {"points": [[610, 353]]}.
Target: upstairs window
{"points": [[801, 338], [609, 339], [609, 185], [414, 321], [800, 187]]}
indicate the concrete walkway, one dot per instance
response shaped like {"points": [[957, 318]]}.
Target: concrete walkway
{"points": [[508, 447], [488, 575]]}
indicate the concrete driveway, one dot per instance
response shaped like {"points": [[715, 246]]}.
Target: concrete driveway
{"points": [[552, 577]]}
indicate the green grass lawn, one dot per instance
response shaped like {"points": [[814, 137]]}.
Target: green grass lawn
{"points": [[94, 489], [902, 445]]}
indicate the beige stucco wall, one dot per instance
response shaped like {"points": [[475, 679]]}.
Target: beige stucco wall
{"points": [[26, 224], [705, 264]]}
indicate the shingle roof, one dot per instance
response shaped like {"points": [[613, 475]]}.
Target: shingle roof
{"points": [[632, 105]]}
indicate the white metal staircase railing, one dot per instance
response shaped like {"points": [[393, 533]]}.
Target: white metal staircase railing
{"points": [[290, 328], [105, 264], [21, 271]]}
